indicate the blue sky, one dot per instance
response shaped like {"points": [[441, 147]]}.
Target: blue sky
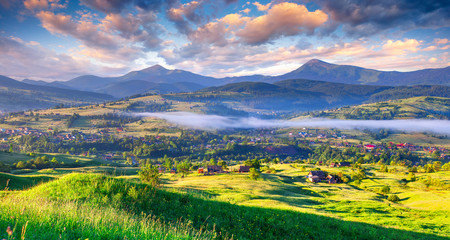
{"points": [[59, 39]]}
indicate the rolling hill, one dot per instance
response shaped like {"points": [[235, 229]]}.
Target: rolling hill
{"points": [[415, 107], [19, 96]]}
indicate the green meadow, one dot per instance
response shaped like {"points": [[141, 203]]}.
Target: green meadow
{"points": [[82, 204]]}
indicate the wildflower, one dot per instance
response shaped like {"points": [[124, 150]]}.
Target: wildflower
{"points": [[9, 231]]}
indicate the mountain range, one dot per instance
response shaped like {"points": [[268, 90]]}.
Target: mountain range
{"points": [[314, 85], [158, 79]]}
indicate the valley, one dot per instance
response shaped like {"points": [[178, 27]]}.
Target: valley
{"points": [[224, 120], [262, 159], [90, 158]]}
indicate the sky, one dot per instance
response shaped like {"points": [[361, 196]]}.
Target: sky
{"points": [[59, 39]]}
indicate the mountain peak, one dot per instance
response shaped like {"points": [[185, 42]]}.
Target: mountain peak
{"points": [[315, 61], [155, 68]]}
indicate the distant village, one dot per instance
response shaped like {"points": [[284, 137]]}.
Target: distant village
{"points": [[259, 136]]}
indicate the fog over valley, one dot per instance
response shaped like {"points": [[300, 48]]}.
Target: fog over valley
{"points": [[213, 122]]}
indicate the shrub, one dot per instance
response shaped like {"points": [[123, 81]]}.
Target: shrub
{"points": [[385, 189], [412, 177], [151, 175], [254, 174], [393, 198]]}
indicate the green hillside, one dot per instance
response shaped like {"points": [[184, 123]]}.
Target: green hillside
{"points": [[416, 107]]}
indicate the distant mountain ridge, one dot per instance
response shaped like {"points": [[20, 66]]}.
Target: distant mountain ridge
{"points": [[163, 79], [319, 70], [304, 95], [19, 96]]}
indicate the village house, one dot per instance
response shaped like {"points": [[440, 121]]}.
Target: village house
{"points": [[316, 176], [370, 146], [244, 169]]}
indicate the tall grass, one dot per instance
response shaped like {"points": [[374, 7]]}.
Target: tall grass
{"points": [[45, 219]]}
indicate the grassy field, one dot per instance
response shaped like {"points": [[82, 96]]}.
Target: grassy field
{"points": [[13, 182], [95, 206], [421, 208], [10, 158]]}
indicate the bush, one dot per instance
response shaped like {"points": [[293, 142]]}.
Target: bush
{"points": [[151, 175], [385, 189], [412, 177], [254, 174], [393, 198]]}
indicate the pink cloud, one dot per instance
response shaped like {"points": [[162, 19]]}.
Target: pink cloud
{"points": [[262, 7], [35, 4], [85, 31], [401, 47], [440, 41], [283, 19], [20, 59]]}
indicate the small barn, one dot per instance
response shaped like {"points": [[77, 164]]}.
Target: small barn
{"points": [[316, 176], [161, 169], [244, 169], [215, 169], [200, 170], [173, 171], [345, 164], [333, 164]]}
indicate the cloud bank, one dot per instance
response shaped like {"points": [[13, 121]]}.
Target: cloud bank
{"points": [[213, 122]]}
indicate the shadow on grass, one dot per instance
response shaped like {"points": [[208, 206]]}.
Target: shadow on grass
{"points": [[12, 182]]}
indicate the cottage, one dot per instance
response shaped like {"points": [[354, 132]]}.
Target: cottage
{"points": [[244, 169], [370, 146], [201, 170], [333, 164], [331, 179], [316, 176], [161, 169], [173, 171]]}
